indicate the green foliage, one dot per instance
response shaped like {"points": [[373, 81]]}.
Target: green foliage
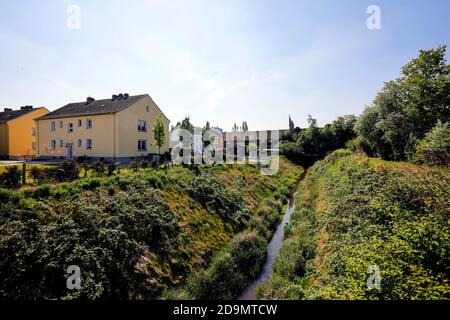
{"points": [[137, 234], [11, 178], [218, 198], [159, 134], [407, 108], [314, 143], [434, 149], [106, 236], [357, 212], [230, 270]]}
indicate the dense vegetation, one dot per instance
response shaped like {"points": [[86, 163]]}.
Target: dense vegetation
{"points": [[314, 143], [408, 108], [135, 234], [354, 212], [409, 119]]}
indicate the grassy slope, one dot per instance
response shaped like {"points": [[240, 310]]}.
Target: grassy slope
{"points": [[354, 212], [201, 233]]}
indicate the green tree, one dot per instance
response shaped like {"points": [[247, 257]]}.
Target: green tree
{"points": [[407, 108], [187, 125], [434, 149], [159, 134], [291, 126]]}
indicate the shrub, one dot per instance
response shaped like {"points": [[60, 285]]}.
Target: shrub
{"points": [[109, 237], [242, 258], [71, 170], [112, 166], [11, 178], [434, 149], [99, 167], [222, 200]]}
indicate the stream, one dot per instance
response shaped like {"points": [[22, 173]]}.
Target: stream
{"points": [[273, 249]]}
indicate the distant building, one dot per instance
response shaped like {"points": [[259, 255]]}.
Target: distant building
{"points": [[119, 128], [18, 135], [197, 138]]}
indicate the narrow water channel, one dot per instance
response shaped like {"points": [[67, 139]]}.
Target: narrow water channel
{"points": [[273, 250]]}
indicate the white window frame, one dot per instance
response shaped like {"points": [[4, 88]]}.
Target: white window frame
{"points": [[80, 143], [61, 143], [80, 123], [142, 125], [142, 145], [53, 126], [33, 145], [53, 144], [88, 124], [61, 124], [70, 127], [89, 144]]}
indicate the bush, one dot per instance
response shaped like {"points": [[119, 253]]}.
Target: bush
{"points": [[11, 178], [109, 237], [224, 201], [242, 258], [99, 167], [434, 149]]}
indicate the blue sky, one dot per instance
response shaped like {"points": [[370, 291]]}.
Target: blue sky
{"points": [[222, 61]]}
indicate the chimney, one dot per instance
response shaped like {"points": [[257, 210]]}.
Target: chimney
{"points": [[89, 100], [26, 108], [114, 97], [120, 96], [126, 96], [8, 109]]}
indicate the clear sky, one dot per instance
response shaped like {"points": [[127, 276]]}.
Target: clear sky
{"points": [[219, 60]]}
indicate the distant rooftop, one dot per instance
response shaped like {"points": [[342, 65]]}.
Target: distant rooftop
{"points": [[95, 107], [9, 114]]}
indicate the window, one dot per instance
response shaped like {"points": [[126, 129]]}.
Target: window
{"points": [[53, 126], [61, 143], [61, 124], [53, 144], [80, 143], [142, 145], [147, 108], [89, 144], [142, 126], [89, 124], [70, 127], [33, 131], [80, 123], [33, 145]]}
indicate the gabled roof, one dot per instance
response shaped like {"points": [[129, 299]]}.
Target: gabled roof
{"points": [[95, 107], [11, 115]]}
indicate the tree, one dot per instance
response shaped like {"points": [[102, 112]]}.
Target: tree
{"points": [[407, 108], [426, 84], [159, 134], [244, 126], [235, 127], [434, 149], [187, 125], [291, 126]]}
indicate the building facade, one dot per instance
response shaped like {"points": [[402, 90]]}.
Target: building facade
{"points": [[120, 129], [18, 133]]}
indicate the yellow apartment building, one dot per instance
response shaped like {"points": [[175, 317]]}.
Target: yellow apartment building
{"points": [[119, 128], [18, 133]]}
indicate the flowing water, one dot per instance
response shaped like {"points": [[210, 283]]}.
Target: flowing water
{"points": [[273, 249]]}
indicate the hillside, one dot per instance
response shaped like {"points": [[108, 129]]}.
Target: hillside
{"points": [[354, 212], [134, 234]]}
